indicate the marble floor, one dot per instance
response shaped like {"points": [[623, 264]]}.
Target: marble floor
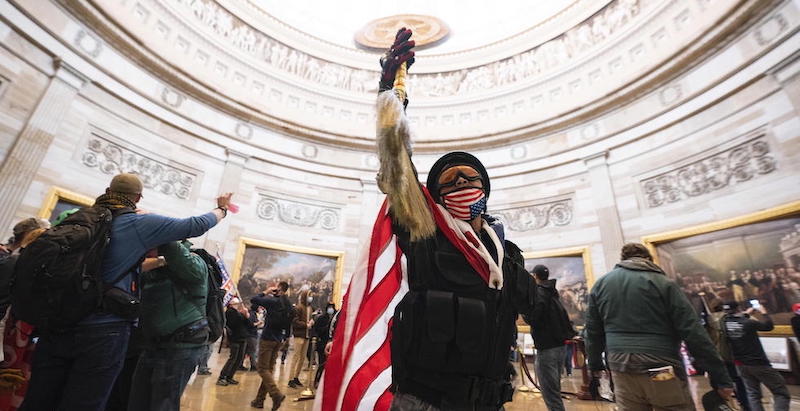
{"points": [[203, 394]]}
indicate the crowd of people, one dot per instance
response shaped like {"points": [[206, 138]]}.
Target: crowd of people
{"points": [[777, 287]]}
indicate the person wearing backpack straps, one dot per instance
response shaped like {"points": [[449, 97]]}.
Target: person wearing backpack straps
{"points": [[550, 328], [75, 365], [173, 321], [276, 325]]}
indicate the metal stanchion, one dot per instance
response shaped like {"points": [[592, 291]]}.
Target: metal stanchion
{"points": [[521, 351], [308, 392]]}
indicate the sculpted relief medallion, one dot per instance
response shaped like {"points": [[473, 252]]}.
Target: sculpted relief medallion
{"points": [[379, 34]]}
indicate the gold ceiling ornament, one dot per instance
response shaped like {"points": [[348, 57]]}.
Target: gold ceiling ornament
{"points": [[379, 33]]}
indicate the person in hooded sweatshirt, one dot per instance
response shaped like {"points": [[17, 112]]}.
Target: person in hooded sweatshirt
{"points": [[550, 329]]}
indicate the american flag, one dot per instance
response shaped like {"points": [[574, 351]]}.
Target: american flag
{"points": [[358, 372], [227, 282]]}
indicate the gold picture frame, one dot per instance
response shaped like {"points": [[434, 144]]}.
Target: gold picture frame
{"points": [[58, 194], [245, 242], [583, 252], [786, 210]]}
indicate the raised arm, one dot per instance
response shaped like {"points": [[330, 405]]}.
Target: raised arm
{"points": [[397, 177], [155, 230]]}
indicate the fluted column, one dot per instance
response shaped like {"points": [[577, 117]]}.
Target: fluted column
{"points": [[25, 157], [605, 206], [230, 181]]}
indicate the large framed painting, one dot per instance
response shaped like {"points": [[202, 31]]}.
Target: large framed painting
{"points": [[260, 264], [572, 268], [752, 257], [59, 200]]}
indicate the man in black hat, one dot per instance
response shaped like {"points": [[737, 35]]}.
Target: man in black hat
{"points": [[452, 331], [550, 328]]}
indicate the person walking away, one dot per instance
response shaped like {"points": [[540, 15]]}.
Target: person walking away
{"points": [[748, 354], [550, 328], [300, 321], [638, 317], [237, 320], [276, 325], [75, 368], [174, 328], [322, 330]]}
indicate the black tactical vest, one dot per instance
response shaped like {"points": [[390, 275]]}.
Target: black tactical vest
{"points": [[451, 333]]}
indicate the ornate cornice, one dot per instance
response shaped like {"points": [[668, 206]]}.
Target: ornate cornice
{"points": [[301, 213]]}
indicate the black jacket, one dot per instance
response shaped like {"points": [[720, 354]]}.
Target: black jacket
{"points": [[742, 332], [542, 320], [237, 324]]}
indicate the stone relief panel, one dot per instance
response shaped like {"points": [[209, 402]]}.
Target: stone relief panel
{"points": [[737, 164], [298, 213], [110, 158], [546, 56], [536, 216]]}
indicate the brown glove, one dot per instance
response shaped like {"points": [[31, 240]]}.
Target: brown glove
{"points": [[399, 53]]}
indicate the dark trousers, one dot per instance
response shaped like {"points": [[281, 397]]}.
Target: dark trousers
{"points": [[76, 370], [548, 371], [118, 400], [160, 378], [322, 358], [739, 388], [235, 360], [205, 354], [754, 376], [568, 351], [251, 350]]}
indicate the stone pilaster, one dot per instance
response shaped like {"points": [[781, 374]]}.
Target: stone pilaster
{"points": [[605, 206], [231, 178], [30, 147]]}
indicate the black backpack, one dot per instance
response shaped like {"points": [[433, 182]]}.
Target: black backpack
{"points": [[57, 279], [563, 325], [215, 307]]}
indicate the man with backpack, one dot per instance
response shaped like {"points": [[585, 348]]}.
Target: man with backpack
{"points": [[87, 270], [276, 325], [550, 329], [639, 317], [175, 327]]}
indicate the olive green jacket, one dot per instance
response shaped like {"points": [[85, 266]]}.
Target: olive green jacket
{"points": [[175, 295], [635, 308]]}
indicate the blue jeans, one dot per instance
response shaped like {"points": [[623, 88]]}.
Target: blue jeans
{"points": [[205, 354], [75, 370], [161, 376], [548, 371]]}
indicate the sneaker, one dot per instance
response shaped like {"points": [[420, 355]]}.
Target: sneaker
{"points": [[257, 404], [292, 384], [242, 368], [223, 382], [231, 381], [204, 371], [276, 402], [297, 382]]}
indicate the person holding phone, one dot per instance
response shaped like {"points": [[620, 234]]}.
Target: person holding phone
{"points": [[741, 331]]}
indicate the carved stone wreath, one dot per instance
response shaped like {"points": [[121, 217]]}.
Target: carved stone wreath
{"points": [[111, 158], [735, 165], [537, 216], [297, 213]]}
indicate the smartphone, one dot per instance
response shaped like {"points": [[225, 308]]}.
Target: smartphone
{"points": [[755, 304]]}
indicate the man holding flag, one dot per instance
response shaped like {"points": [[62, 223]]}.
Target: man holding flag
{"points": [[429, 317]]}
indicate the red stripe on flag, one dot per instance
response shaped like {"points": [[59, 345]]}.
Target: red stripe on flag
{"points": [[368, 372], [384, 401]]}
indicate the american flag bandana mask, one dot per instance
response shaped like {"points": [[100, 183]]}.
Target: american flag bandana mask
{"points": [[465, 204]]}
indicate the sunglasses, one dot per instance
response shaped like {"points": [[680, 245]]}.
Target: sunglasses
{"points": [[449, 177]]}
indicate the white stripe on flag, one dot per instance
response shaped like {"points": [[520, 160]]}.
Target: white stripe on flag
{"points": [[371, 341], [384, 263], [375, 390]]}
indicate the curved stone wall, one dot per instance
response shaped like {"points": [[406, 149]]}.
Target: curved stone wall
{"points": [[693, 118]]}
